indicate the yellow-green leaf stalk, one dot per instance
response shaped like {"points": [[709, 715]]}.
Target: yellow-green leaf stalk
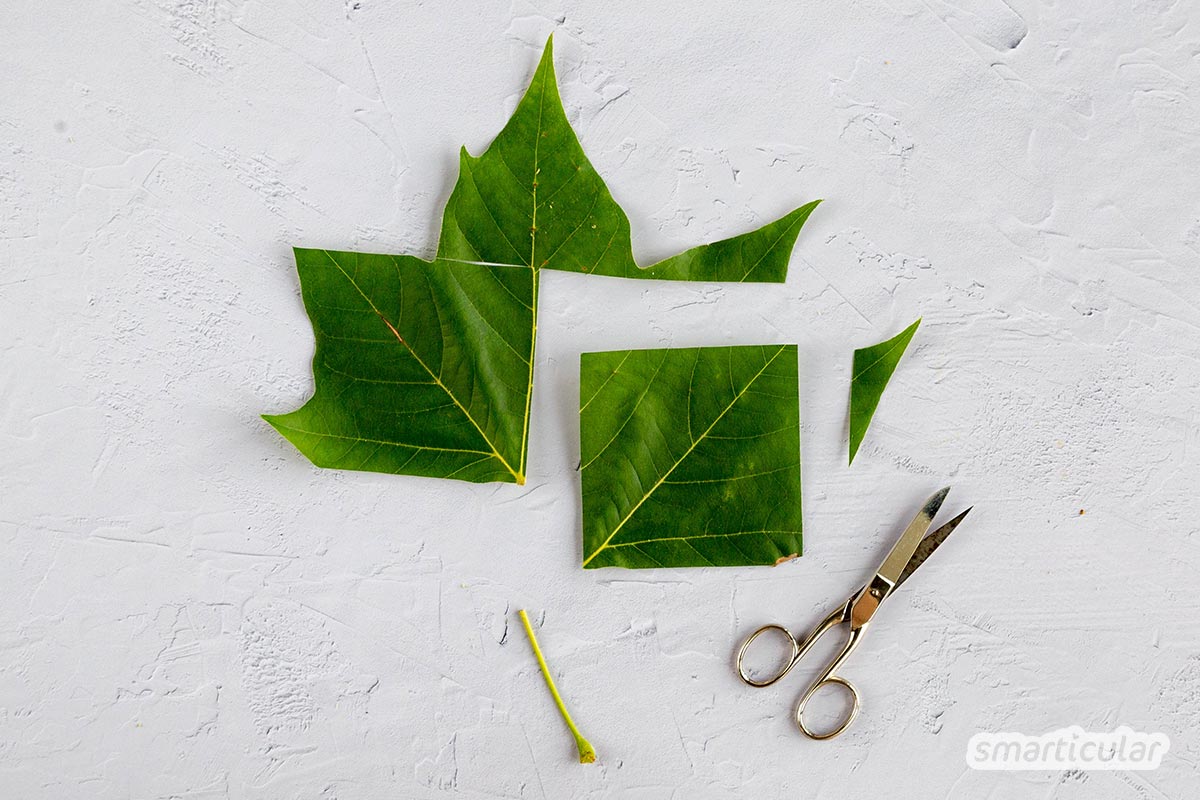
{"points": [[587, 754]]}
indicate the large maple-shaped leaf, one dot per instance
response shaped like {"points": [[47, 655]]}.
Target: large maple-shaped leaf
{"points": [[873, 368], [531, 201], [690, 457]]}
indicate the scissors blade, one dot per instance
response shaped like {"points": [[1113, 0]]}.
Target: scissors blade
{"points": [[928, 545], [893, 566]]}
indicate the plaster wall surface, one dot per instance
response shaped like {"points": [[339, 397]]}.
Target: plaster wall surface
{"points": [[189, 609]]}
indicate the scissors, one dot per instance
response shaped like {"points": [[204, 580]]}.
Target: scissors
{"points": [[909, 552]]}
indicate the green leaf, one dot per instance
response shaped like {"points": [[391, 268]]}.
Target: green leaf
{"points": [[873, 368], [532, 198], [426, 368], [421, 367], [690, 457]]}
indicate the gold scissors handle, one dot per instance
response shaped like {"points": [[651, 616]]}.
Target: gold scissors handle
{"points": [[828, 676]]}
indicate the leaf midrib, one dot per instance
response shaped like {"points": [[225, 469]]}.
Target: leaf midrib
{"points": [[683, 457], [533, 269]]}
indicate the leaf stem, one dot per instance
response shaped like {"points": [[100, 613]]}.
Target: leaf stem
{"points": [[587, 754]]}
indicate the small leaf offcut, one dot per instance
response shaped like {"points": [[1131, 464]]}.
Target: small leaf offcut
{"points": [[873, 368]]}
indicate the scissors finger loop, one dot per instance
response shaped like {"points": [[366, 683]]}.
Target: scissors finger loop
{"points": [[845, 723], [787, 666]]}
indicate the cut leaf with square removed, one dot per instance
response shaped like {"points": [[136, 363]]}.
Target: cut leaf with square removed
{"points": [[873, 368], [690, 457], [426, 368]]}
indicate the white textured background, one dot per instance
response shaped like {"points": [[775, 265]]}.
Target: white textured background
{"points": [[188, 609]]}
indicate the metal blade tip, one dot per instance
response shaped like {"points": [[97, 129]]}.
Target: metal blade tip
{"points": [[934, 503], [952, 524], [930, 543]]}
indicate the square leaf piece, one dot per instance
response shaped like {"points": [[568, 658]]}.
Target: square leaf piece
{"points": [[690, 457]]}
